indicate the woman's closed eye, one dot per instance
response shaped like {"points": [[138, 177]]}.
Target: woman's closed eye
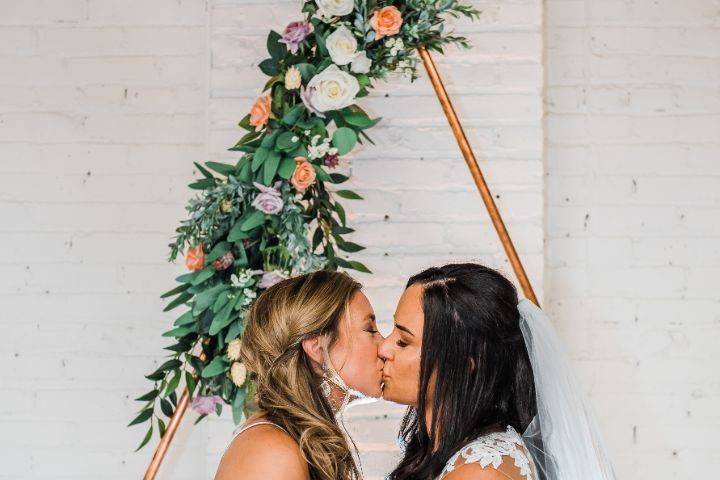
{"points": [[401, 344]]}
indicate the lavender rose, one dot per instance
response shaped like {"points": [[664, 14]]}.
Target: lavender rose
{"points": [[269, 199], [271, 278], [205, 405], [295, 33]]}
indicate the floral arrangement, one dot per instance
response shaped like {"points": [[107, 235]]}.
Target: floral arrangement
{"points": [[272, 214]]}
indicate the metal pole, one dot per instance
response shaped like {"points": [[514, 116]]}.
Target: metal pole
{"points": [[477, 175]]}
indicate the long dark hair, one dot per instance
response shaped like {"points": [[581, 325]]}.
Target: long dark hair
{"points": [[483, 380]]}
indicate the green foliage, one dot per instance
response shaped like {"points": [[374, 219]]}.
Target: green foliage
{"points": [[245, 230]]}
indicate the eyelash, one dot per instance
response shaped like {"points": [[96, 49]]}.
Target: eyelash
{"points": [[373, 331], [401, 344]]}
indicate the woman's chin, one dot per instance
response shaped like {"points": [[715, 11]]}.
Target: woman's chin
{"points": [[372, 391], [376, 392], [387, 393]]}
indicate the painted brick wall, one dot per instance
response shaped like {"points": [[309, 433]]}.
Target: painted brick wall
{"points": [[102, 111], [633, 219]]}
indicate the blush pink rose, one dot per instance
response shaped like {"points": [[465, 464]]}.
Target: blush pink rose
{"points": [[304, 174], [260, 112], [386, 21]]}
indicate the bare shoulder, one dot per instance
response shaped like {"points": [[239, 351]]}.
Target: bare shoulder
{"points": [[263, 452]]}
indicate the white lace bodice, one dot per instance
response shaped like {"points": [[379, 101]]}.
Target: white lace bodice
{"points": [[490, 449]]}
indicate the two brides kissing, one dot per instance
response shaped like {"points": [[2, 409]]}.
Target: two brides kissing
{"points": [[490, 394]]}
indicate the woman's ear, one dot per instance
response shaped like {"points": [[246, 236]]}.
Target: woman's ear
{"points": [[313, 349]]}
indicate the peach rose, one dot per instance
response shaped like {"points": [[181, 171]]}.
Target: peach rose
{"points": [[304, 174], [260, 112], [195, 258], [386, 21]]}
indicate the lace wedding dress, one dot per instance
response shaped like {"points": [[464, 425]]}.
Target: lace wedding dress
{"points": [[503, 451]]}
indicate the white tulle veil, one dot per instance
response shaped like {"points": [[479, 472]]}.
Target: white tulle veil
{"points": [[562, 439]]}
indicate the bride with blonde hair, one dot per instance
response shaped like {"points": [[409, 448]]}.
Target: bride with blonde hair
{"points": [[311, 346]]}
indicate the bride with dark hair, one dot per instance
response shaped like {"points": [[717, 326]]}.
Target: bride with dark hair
{"points": [[490, 394]]}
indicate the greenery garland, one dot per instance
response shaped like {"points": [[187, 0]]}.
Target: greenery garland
{"points": [[271, 215]]}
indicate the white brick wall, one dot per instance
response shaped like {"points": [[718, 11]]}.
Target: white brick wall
{"points": [[102, 111], [633, 219], [105, 104]]}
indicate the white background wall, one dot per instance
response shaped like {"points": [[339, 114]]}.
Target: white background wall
{"points": [[632, 232], [105, 104]]}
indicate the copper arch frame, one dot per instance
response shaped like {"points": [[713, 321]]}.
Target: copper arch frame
{"points": [[489, 205]]}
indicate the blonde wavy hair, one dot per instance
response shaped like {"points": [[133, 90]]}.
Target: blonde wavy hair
{"points": [[287, 386]]}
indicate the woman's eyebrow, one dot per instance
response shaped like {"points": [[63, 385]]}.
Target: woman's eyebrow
{"points": [[404, 329]]}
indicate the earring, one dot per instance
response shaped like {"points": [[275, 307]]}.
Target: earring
{"points": [[325, 386]]}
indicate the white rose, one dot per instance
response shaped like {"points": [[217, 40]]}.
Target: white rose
{"points": [[342, 46], [233, 349], [238, 373], [332, 89], [337, 8], [361, 63]]}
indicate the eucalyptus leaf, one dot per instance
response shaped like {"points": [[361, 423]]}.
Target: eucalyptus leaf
{"points": [[185, 319], [207, 297], [321, 174], [178, 332], [292, 116], [350, 247], [344, 139], [271, 167], [287, 168], [285, 141], [214, 368], [174, 382], [276, 49], [238, 405], [146, 439], [166, 408], [184, 297], [221, 168], [349, 194], [255, 219], [151, 395], [175, 291], [220, 302], [259, 158], [359, 267], [144, 416], [218, 251], [203, 275], [235, 330], [223, 318], [360, 120], [269, 140], [269, 67]]}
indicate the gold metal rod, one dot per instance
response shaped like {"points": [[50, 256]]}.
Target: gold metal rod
{"points": [[167, 438], [172, 427], [477, 175]]}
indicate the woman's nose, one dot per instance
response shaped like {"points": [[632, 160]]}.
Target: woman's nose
{"points": [[384, 350]]}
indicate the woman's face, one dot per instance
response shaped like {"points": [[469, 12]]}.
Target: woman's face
{"points": [[355, 352], [401, 350]]}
